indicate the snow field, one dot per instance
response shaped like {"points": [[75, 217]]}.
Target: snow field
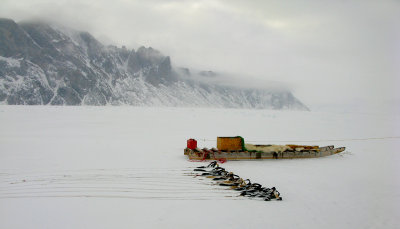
{"points": [[123, 167]]}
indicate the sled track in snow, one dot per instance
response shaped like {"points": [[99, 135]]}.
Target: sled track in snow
{"points": [[135, 183]]}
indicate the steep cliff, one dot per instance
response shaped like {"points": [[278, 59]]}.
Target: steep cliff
{"points": [[44, 65]]}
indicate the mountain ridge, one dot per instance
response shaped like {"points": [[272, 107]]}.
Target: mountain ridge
{"points": [[43, 65]]}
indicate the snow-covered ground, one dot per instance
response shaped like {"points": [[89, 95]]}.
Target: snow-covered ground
{"points": [[123, 167]]}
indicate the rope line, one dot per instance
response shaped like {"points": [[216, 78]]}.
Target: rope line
{"points": [[320, 140]]}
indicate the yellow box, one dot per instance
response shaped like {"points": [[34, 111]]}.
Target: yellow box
{"points": [[229, 143]]}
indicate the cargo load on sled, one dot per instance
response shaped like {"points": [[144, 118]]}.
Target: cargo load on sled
{"points": [[234, 148]]}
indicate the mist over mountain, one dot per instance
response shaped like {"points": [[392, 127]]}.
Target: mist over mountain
{"points": [[41, 64]]}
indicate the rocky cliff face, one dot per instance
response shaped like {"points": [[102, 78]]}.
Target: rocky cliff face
{"points": [[43, 65]]}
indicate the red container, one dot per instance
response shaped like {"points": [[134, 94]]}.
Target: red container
{"points": [[191, 143]]}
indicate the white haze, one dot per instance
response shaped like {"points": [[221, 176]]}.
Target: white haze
{"points": [[241, 81], [331, 53]]}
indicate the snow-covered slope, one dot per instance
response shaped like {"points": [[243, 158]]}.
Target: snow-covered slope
{"points": [[42, 64], [123, 167]]}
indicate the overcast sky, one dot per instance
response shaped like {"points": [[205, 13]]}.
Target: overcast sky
{"points": [[328, 52]]}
